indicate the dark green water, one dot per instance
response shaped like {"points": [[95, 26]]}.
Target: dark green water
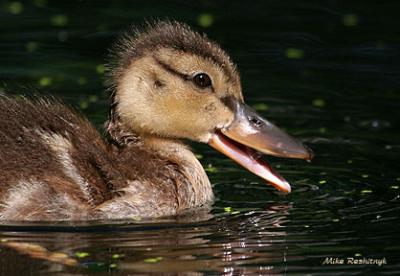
{"points": [[326, 71]]}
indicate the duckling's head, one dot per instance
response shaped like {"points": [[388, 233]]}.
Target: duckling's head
{"points": [[173, 82], [169, 81]]}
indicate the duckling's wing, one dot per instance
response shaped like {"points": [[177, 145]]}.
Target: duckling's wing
{"points": [[48, 153]]}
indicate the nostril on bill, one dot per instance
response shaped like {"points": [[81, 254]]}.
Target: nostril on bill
{"points": [[255, 121]]}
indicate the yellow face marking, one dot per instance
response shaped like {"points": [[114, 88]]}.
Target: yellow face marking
{"points": [[157, 96]]}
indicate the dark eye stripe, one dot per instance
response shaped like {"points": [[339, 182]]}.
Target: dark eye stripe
{"points": [[185, 76], [173, 70]]}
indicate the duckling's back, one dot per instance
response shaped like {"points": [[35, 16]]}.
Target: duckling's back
{"points": [[43, 144]]}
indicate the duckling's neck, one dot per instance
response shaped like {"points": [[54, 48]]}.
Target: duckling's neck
{"points": [[180, 154], [171, 149]]}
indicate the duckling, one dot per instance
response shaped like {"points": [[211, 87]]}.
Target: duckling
{"points": [[169, 84]]}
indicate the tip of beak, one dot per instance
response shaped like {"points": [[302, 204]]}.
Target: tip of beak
{"points": [[283, 186]]}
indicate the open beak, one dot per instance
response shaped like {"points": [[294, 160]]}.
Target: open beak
{"points": [[248, 136]]}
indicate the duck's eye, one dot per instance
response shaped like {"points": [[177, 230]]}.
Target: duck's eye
{"points": [[202, 80]]}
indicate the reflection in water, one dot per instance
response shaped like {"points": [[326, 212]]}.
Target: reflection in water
{"points": [[252, 242], [39, 252]]}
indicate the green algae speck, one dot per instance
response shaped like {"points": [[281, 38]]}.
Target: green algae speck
{"points": [[205, 20], [59, 20], [153, 260], [294, 53], [45, 81], [81, 254], [15, 8], [350, 20], [318, 102]]}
